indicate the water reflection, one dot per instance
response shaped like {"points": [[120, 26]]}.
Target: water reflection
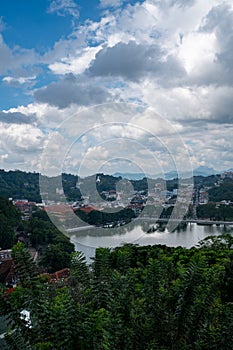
{"points": [[137, 232]]}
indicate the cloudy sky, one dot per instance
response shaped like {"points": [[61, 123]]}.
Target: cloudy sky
{"points": [[116, 85]]}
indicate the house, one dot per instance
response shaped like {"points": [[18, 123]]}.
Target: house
{"points": [[7, 274], [88, 208], [5, 254], [25, 207], [227, 174], [60, 275]]}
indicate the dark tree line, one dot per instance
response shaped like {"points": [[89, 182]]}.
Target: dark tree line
{"points": [[96, 217], [9, 221], [222, 192], [211, 211]]}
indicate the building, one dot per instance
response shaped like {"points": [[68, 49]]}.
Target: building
{"points": [[25, 207], [7, 275], [88, 208], [59, 275], [5, 254], [228, 174]]}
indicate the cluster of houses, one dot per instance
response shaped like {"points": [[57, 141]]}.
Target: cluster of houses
{"points": [[25, 207], [122, 197], [203, 196], [135, 200], [227, 174]]}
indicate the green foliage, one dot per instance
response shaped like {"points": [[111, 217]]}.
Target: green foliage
{"points": [[55, 258], [25, 267], [19, 184], [211, 211], [131, 297], [9, 220], [79, 268], [223, 192], [96, 217], [55, 246]]}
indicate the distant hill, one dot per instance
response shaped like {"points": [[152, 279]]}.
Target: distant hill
{"points": [[200, 171], [204, 171], [18, 184], [130, 176]]}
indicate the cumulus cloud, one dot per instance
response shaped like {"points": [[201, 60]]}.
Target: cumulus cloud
{"points": [[17, 118], [20, 146], [69, 91], [219, 21], [75, 63], [172, 55], [134, 61], [15, 58], [179, 3], [197, 105], [21, 138]]}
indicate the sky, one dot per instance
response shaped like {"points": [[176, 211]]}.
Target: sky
{"points": [[116, 85]]}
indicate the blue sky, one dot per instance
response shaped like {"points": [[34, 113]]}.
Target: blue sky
{"points": [[96, 62], [31, 24]]}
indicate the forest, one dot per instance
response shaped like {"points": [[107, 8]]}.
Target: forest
{"points": [[131, 297]]}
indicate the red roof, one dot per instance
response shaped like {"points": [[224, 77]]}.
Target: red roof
{"points": [[60, 208], [64, 273], [11, 290], [6, 270], [88, 209]]}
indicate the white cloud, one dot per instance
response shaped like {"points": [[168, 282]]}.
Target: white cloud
{"points": [[20, 146], [21, 138], [110, 3], [75, 64], [19, 80], [174, 56], [197, 50], [16, 58], [97, 153], [64, 7]]}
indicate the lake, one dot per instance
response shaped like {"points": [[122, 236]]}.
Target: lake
{"points": [[136, 232]]}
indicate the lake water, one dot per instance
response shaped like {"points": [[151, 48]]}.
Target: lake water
{"points": [[136, 232]]}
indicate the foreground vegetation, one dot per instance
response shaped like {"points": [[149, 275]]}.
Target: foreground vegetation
{"points": [[38, 232], [132, 297]]}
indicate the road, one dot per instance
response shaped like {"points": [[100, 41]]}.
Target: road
{"points": [[194, 221]]}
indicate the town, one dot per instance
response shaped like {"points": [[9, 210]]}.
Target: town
{"points": [[207, 198]]}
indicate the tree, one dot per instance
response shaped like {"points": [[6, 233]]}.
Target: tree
{"points": [[55, 258], [9, 219]]}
